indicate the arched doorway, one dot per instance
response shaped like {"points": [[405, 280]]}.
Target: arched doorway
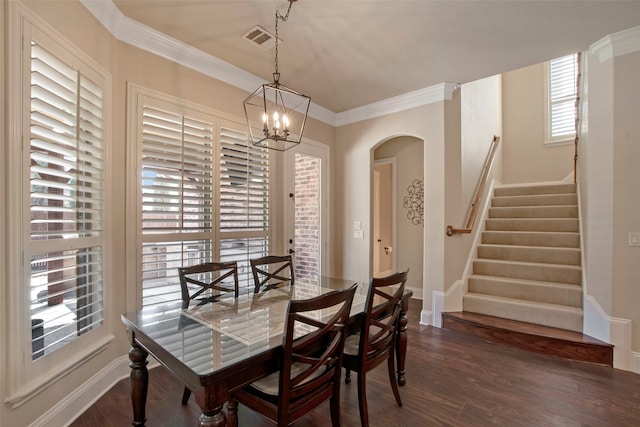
{"points": [[397, 235]]}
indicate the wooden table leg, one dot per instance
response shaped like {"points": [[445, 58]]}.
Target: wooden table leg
{"points": [[401, 343], [211, 402], [232, 413], [139, 381], [212, 418]]}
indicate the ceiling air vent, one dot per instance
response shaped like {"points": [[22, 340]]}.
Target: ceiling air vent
{"points": [[260, 37]]}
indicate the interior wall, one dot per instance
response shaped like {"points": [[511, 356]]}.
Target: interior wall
{"points": [[596, 183], [523, 139], [472, 123], [352, 192], [608, 177], [408, 153], [481, 116], [626, 195]]}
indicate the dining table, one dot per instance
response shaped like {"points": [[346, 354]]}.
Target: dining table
{"points": [[215, 347]]}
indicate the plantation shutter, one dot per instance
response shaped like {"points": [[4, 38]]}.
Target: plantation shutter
{"points": [[66, 201], [563, 74], [244, 201], [177, 196]]}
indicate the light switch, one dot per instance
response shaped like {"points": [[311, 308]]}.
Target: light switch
{"points": [[358, 234], [357, 225], [634, 239]]}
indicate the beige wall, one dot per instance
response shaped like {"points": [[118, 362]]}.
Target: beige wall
{"points": [[523, 131], [353, 157], [481, 115], [478, 120]]}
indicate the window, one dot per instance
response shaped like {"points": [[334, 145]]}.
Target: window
{"points": [[244, 201], [203, 192], [177, 195], [561, 95], [57, 199], [66, 180]]}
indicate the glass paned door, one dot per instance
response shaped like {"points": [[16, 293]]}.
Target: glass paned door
{"points": [[305, 230]]}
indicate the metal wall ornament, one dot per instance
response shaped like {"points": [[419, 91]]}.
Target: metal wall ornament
{"points": [[414, 202]]}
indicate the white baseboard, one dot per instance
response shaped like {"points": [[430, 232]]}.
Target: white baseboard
{"points": [[447, 301], [78, 401], [425, 317], [635, 363], [417, 293], [613, 330]]}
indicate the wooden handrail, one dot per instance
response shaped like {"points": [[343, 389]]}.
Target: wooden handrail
{"points": [[578, 114], [479, 191]]}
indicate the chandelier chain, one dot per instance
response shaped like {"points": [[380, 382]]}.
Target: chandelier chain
{"points": [[284, 19]]}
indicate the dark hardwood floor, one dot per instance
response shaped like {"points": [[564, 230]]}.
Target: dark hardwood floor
{"points": [[453, 379]]}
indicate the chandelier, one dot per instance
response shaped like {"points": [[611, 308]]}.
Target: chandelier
{"points": [[281, 111]]}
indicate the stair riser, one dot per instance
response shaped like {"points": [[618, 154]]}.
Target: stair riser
{"points": [[564, 240], [569, 256], [570, 295], [526, 224], [535, 189], [537, 200], [557, 318], [541, 272], [534, 212], [539, 339]]}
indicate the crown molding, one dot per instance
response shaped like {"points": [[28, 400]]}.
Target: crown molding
{"points": [[417, 98], [618, 44], [141, 36]]}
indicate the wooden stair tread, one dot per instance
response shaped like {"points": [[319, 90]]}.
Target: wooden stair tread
{"points": [[528, 336]]}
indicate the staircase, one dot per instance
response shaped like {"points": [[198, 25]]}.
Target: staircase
{"points": [[526, 282]]}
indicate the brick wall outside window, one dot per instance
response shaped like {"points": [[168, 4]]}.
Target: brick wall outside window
{"points": [[307, 216]]}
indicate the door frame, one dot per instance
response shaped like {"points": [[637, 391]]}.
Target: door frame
{"points": [[323, 152], [392, 162]]}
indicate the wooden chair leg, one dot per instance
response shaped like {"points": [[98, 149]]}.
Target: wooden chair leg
{"points": [[392, 378], [362, 399], [185, 395]]}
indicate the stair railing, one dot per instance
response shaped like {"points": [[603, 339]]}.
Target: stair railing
{"points": [[578, 115], [479, 191]]}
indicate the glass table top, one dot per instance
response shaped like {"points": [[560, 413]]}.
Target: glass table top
{"points": [[216, 335]]}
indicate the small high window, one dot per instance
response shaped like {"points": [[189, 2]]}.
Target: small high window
{"points": [[561, 97]]}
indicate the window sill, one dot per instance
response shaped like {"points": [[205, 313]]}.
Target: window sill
{"points": [[559, 142]]}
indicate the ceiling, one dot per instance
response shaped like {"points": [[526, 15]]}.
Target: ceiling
{"points": [[349, 53]]}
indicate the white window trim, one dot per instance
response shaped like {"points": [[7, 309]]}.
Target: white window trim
{"points": [[27, 378], [550, 141], [135, 95]]}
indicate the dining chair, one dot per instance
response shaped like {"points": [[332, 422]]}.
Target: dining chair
{"points": [[205, 282], [310, 363], [196, 280], [272, 271], [375, 342]]}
